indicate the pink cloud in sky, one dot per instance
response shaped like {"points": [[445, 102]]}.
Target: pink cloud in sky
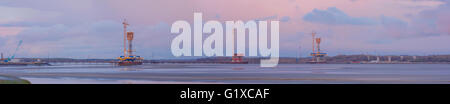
{"points": [[78, 28], [10, 31]]}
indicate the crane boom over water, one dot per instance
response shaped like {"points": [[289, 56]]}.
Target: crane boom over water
{"points": [[15, 51], [17, 48]]}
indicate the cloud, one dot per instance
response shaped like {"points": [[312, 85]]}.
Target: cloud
{"points": [[19, 15], [334, 16], [285, 19], [267, 18], [10, 31], [62, 40], [100, 39], [394, 27], [78, 28], [435, 20]]}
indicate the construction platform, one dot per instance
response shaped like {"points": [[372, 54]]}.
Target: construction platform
{"points": [[128, 58], [24, 64]]}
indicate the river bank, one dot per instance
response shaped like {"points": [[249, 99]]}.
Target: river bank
{"points": [[4, 79]]}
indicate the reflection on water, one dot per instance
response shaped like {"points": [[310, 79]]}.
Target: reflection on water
{"points": [[102, 81], [237, 68], [227, 73], [130, 69]]}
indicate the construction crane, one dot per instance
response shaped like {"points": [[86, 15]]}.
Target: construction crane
{"points": [[317, 54], [125, 24], [14, 54], [128, 57]]}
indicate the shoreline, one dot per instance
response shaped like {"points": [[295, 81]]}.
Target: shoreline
{"points": [[6, 79]]}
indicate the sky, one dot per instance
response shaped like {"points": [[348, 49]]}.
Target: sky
{"points": [[93, 29]]}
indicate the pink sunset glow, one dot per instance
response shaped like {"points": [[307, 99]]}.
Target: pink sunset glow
{"points": [[85, 27]]}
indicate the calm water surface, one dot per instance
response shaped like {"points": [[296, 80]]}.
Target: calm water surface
{"points": [[234, 74]]}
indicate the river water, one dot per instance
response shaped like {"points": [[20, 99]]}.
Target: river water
{"points": [[233, 74]]}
